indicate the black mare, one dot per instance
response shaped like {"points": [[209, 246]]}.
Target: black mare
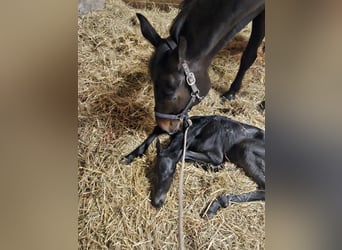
{"points": [[198, 32], [179, 64]]}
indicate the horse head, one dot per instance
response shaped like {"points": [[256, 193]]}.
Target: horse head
{"points": [[178, 83]]}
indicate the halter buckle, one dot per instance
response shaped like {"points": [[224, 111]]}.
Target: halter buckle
{"points": [[190, 78]]}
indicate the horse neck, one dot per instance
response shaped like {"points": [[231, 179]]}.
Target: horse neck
{"points": [[198, 51], [208, 25]]}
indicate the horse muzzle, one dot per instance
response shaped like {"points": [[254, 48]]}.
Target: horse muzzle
{"points": [[170, 126]]}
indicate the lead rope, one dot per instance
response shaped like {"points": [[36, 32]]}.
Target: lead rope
{"points": [[180, 191]]}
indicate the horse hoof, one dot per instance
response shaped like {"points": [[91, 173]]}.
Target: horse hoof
{"points": [[228, 96]]}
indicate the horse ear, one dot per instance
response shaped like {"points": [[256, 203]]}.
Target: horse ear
{"points": [[181, 50], [148, 31]]}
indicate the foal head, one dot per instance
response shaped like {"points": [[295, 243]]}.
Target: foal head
{"points": [[172, 94], [165, 170]]}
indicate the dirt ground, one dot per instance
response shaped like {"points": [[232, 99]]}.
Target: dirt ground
{"points": [[115, 107]]}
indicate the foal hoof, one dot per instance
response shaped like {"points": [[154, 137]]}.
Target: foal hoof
{"points": [[208, 213], [126, 160], [221, 201], [211, 210], [262, 105]]}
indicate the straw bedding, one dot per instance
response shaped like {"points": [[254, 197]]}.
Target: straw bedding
{"points": [[115, 106]]}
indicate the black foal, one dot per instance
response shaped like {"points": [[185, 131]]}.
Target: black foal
{"points": [[211, 140]]}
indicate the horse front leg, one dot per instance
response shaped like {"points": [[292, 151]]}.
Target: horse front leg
{"points": [[249, 55]]}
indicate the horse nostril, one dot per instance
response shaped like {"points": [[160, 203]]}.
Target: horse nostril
{"points": [[175, 125]]}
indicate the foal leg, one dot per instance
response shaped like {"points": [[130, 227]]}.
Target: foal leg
{"points": [[262, 105], [209, 162], [249, 154], [249, 55], [226, 199], [209, 167], [140, 150]]}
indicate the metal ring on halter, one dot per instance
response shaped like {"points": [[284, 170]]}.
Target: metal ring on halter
{"points": [[190, 79]]}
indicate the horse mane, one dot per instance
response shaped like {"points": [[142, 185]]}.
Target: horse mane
{"points": [[178, 22], [159, 56]]}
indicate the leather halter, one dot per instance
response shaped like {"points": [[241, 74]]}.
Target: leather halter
{"points": [[191, 81]]}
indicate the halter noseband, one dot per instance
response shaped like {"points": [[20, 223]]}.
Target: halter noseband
{"points": [[191, 81]]}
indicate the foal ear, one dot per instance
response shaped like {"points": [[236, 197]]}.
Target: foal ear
{"points": [[148, 31], [181, 50]]}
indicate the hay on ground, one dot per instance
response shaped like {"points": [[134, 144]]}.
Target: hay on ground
{"points": [[116, 114]]}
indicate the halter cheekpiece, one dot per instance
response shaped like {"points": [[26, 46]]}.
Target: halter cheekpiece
{"points": [[191, 81]]}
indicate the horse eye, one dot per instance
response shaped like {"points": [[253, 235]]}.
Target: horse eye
{"points": [[174, 97], [166, 89], [170, 97], [168, 92]]}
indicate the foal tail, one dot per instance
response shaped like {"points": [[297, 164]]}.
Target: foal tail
{"points": [[225, 200]]}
